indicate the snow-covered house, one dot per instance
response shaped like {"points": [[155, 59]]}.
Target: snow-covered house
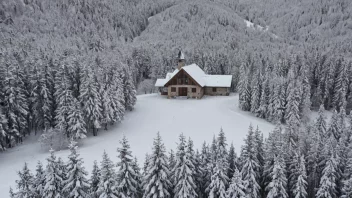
{"points": [[191, 81]]}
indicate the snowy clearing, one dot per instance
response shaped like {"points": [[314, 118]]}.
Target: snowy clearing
{"points": [[198, 119]]}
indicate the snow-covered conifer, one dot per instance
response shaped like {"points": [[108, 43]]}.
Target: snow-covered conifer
{"points": [[126, 175], [236, 188], [277, 187], [327, 187], [39, 180], [94, 180], [250, 165], [231, 161], [76, 125], [90, 99], [157, 181], [53, 178], [25, 183], [76, 184], [107, 186], [300, 190]]}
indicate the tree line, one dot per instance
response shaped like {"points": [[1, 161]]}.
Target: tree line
{"points": [[74, 93], [314, 160]]}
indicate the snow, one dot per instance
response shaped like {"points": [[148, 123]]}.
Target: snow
{"points": [[200, 77], [218, 80], [196, 73], [198, 119], [251, 25]]}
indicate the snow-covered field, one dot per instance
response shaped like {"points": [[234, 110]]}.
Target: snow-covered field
{"points": [[198, 119]]}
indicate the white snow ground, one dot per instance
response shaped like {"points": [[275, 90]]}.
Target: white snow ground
{"points": [[198, 119]]}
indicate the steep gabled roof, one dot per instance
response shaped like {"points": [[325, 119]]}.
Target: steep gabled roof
{"points": [[199, 76]]}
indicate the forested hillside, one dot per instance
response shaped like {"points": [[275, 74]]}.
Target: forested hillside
{"points": [[85, 57]]}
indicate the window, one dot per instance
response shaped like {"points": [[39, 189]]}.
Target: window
{"points": [[214, 89], [194, 90], [173, 89]]}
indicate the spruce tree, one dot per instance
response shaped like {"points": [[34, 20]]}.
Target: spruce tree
{"points": [[277, 187], [90, 99], [236, 188], [139, 178], [53, 178], [107, 186], [231, 161], [219, 180], [94, 180], [184, 172], [25, 183], [4, 136], [76, 125], [76, 184], [39, 180], [327, 187], [249, 170], [300, 190], [126, 176], [157, 174], [129, 91]]}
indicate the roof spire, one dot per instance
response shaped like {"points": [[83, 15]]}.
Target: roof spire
{"points": [[181, 60], [181, 56]]}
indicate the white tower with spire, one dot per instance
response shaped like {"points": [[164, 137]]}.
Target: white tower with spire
{"points": [[180, 59]]}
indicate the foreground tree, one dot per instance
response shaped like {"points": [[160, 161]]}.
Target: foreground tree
{"points": [[236, 188], [277, 187], [25, 184], [107, 186], [126, 175], [76, 184], [327, 186], [53, 178], [94, 180], [184, 171], [157, 174]]}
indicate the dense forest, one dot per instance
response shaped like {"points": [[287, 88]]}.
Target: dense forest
{"points": [[76, 65], [315, 163]]}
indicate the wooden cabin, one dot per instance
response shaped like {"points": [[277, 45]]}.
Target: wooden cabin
{"points": [[192, 82]]}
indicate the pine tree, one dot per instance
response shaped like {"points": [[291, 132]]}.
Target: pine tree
{"points": [[157, 175], [219, 180], [250, 166], [107, 186], [184, 172], [334, 129], [138, 179], [94, 180], [75, 184], [236, 188], [277, 187], [244, 93], [129, 91], [301, 184], [64, 100], [76, 125], [126, 176], [25, 183], [4, 136], [15, 105], [53, 178], [231, 161], [90, 99], [116, 97], [39, 180], [204, 165], [255, 100], [327, 186]]}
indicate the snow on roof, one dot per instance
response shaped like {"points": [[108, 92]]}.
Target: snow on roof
{"points": [[196, 73], [218, 80], [199, 76]]}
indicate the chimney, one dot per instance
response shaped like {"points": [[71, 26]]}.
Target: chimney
{"points": [[181, 60]]}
